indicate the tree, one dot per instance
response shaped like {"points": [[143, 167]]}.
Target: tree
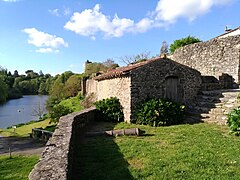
{"points": [[109, 63], [164, 48], [15, 74], [59, 111], [95, 67], [135, 58], [183, 42], [73, 85], [3, 90], [41, 73], [38, 110]]}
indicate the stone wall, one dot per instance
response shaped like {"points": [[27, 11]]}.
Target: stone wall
{"points": [[91, 86], [149, 81], [213, 57], [116, 87], [56, 160]]}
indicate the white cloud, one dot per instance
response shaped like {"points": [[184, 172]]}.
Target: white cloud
{"points": [[92, 21], [60, 12], [54, 12], [47, 50], [170, 10], [66, 11], [45, 42]]}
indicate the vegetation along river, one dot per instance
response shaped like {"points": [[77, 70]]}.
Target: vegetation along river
{"points": [[22, 110]]}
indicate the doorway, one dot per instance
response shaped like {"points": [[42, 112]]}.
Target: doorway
{"points": [[172, 90]]}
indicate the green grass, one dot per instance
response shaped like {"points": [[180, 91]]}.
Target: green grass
{"points": [[200, 151], [25, 130], [16, 168], [73, 103]]}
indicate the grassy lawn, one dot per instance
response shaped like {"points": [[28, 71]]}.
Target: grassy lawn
{"points": [[24, 130], [16, 168], [200, 151]]}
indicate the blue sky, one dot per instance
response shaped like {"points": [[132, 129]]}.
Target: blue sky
{"points": [[60, 35]]}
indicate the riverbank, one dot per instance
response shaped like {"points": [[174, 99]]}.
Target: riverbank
{"points": [[25, 130], [25, 150], [22, 110]]}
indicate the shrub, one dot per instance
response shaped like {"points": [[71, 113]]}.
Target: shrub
{"points": [[233, 121], [59, 111], [110, 110], [159, 112]]}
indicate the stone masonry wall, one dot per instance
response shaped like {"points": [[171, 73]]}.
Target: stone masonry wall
{"points": [[91, 86], [56, 160], [212, 57], [117, 87], [149, 81]]}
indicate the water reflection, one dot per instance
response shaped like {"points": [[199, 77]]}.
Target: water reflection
{"points": [[21, 110]]}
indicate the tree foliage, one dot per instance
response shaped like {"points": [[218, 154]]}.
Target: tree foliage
{"points": [[17, 85], [135, 58], [73, 85], [164, 48], [183, 42], [59, 111], [3, 90], [95, 67]]}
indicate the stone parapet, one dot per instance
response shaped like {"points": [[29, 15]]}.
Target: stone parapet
{"points": [[56, 159]]}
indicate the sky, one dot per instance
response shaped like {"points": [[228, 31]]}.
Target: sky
{"points": [[55, 36]]}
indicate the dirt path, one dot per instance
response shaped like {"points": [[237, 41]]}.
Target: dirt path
{"points": [[24, 146]]}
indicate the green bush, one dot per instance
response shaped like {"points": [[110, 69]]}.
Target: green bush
{"points": [[109, 110], [233, 121], [159, 112], [59, 111]]}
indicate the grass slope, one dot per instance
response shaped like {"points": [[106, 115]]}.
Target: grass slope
{"points": [[24, 130], [73, 103], [16, 168], [200, 151]]}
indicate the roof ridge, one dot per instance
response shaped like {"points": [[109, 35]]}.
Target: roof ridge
{"points": [[125, 69]]}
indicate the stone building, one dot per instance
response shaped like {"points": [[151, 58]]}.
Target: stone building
{"points": [[216, 57], [230, 32], [154, 78]]}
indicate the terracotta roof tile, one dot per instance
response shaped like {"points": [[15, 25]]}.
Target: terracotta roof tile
{"points": [[118, 72]]}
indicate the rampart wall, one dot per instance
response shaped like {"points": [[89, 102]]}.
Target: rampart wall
{"points": [[213, 57], [56, 160]]}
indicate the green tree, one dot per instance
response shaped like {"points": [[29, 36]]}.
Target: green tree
{"points": [[3, 90], [94, 67], [73, 85], [59, 111], [183, 42]]}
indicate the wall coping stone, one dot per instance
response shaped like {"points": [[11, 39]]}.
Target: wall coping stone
{"points": [[54, 162]]}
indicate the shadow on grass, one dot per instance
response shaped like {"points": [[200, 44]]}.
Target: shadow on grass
{"points": [[99, 158]]}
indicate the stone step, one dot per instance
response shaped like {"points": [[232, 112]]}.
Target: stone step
{"points": [[213, 106], [212, 99], [215, 93]]}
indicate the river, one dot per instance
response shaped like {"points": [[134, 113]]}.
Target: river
{"points": [[21, 110]]}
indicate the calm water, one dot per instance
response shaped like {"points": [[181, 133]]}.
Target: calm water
{"points": [[21, 110]]}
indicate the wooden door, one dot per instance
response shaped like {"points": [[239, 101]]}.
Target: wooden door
{"points": [[172, 88]]}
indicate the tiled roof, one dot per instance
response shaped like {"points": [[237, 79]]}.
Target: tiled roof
{"points": [[118, 72]]}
